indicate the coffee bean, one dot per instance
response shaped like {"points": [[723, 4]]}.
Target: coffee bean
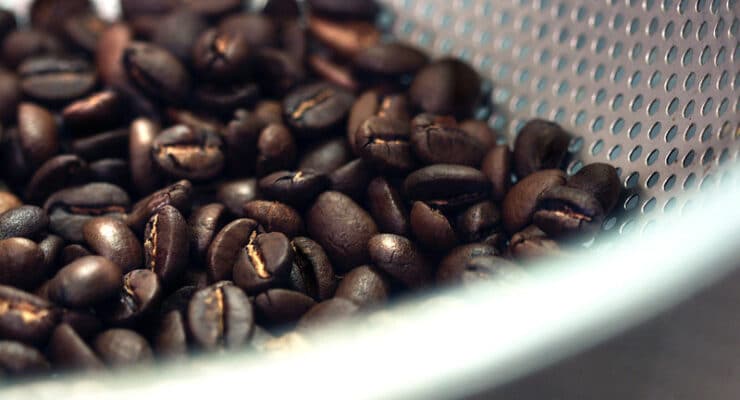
{"points": [[497, 166], [446, 87], [342, 228], [275, 217], [85, 323], [177, 32], [121, 347], [269, 111], [86, 282], [259, 30], [432, 228], [390, 59], [281, 307], [348, 38], [563, 211], [325, 157], [111, 170], [51, 246], [10, 95], [282, 9], [67, 350], [447, 186], [73, 252], [225, 247], [83, 31], [521, 201], [222, 55], [23, 44], [401, 259], [7, 22], [37, 133], [220, 316], [112, 239], [375, 103], [387, 207], [133, 8], [178, 195], [532, 243], [295, 188], [365, 286], [333, 72], [276, 150], [263, 263], [55, 80], [25, 317], [93, 113], [157, 72], [234, 194], [481, 131], [539, 145], [185, 153], [178, 300], [111, 144], [170, 341], [316, 108], [56, 174], [15, 165], [385, 143], [166, 244], [143, 132], [204, 223], [312, 273], [479, 221], [359, 9], [213, 8], [224, 99], [23, 222], [18, 359], [327, 312], [279, 71], [471, 264], [352, 178], [601, 181], [139, 295], [9, 201], [437, 144], [49, 15], [240, 138], [455, 264], [21, 263]]}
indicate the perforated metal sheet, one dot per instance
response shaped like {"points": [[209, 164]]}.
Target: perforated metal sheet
{"points": [[650, 86]]}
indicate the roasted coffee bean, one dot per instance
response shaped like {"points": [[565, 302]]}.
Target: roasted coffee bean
{"points": [[222, 55], [86, 282], [177, 32], [25, 317], [390, 59], [142, 134], [359, 9], [326, 312], [280, 72], [67, 350], [342, 228], [375, 103], [317, 108], [387, 207], [23, 44], [234, 194], [333, 72], [37, 134], [10, 96], [8, 201], [55, 80], [295, 188], [563, 211], [224, 99], [85, 323], [111, 170], [385, 143], [447, 186], [55, 174], [21, 263], [111, 144], [446, 87], [112, 239], [213, 8], [601, 181], [269, 111], [312, 273], [275, 217], [348, 38], [366, 286], [51, 246], [276, 150], [133, 8], [352, 178], [478, 269], [156, 72], [401, 259], [225, 247], [166, 244], [479, 221], [121, 347], [497, 166], [139, 295], [93, 113], [83, 31], [18, 359], [240, 138], [540, 145], [73, 252], [326, 156], [282, 9], [71, 208], [178, 300], [23, 222], [264, 262], [170, 341], [49, 15], [481, 131], [178, 195], [281, 307], [454, 266], [431, 228], [185, 153], [7, 22], [520, 202], [203, 225], [436, 144], [220, 316], [15, 166], [532, 243], [259, 30]]}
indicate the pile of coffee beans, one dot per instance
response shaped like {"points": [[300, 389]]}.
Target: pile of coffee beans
{"points": [[196, 178]]}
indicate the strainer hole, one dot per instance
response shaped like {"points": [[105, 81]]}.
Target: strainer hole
{"points": [[722, 109], [723, 79], [544, 5], [669, 183], [609, 224], [617, 21], [649, 206], [598, 124], [627, 227], [723, 156], [689, 159], [597, 147], [682, 6], [668, 30], [690, 132], [581, 67], [688, 183], [580, 41], [667, 4], [690, 81], [574, 167], [706, 53], [706, 182], [600, 96], [580, 94], [632, 180], [653, 26], [524, 76], [650, 59], [688, 111], [636, 153], [575, 145], [615, 152], [670, 205], [636, 51], [724, 132], [631, 202], [719, 28], [559, 115], [654, 130], [702, 31], [635, 130], [617, 102], [687, 28], [562, 88], [617, 126], [671, 54], [688, 56], [672, 157], [562, 63], [673, 106], [545, 56], [563, 35], [581, 13], [715, 6], [520, 104], [542, 108], [541, 84], [707, 107], [542, 32], [634, 26], [705, 82], [597, 19], [671, 134], [652, 157], [580, 117], [670, 84], [616, 50], [700, 5], [653, 107], [655, 79], [735, 27], [708, 156], [719, 59], [635, 79]]}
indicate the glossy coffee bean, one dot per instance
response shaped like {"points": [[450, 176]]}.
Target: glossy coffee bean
{"points": [[401, 259], [142, 134], [224, 99], [20, 45], [83, 31], [55, 80], [375, 103], [532, 243], [234, 194], [259, 30], [203, 225], [269, 111], [281, 9], [601, 181], [86, 282], [185, 153], [156, 72], [275, 217], [563, 211], [387, 207], [359, 9], [178, 301], [23, 222], [326, 156], [297, 188], [432, 228], [37, 133], [446, 87], [7, 22], [178, 195], [366, 286], [280, 307], [455, 264], [85, 323], [333, 72], [9, 201], [352, 178], [226, 246], [170, 341], [520, 202], [121, 347], [177, 31], [56, 174], [438, 144], [446, 186], [312, 273], [21, 263], [479, 221], [327, 312], [25, 317], [540, 145], [347, 38], [51, 246], [497, 165], [67, 350], [276, 150], [95, 112], [111, 144], [10, 95], [138, 297], [49, 15], [478, 269], [166, 244], [214, 8], [280, 72], [240, 139], [114, 240], [220, 315], [316, 108], [18, 359], [73, 252], [481, 131], [386, 144], [342, 228], [111, 170], [390, 59], [222, 55], [264, 262]]}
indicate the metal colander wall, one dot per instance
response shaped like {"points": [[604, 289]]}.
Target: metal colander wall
{"points": [[649, 86]]}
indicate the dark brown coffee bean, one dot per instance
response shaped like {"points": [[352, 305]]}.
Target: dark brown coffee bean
{"points": [[86, 282], [276, 150], [7, 22], [56, 174], [375, 103], [352, 178], [21, 263], [540, 145], [325, 157], [385, 143], [601, 181], [327, 312], [263, 263], [479, 221], [532, 243], [563, 211], [401, 259], [438, 144], [275, 217], [269, 111], [240, 138], [282, 9], [312, 272], [22, 44], [177, 32], [18, 359], [37, 133], [446, 186], [178, 300], [225, 248], [234, 194], [359, 9], [111, 144], [73, 252], [345, 37], [121, 347], [520, 202], [186, 153], [170, 341], [25, 317], [204, 224], [56, 80], [15, 165], [111, 170], [295, 188], [365, 286], [83, 31], [220, 316], [140, 293], [222, 55], [166, 244], [433, 230], [390, 59], [10, 95], [23, 222], [51, 246], [8, 201], [454, 265], [224, 99], [143, 175], [49, 15], [67, 350], [458, 268], [178, 195], [446, 87], [157, 72], [280, 307], [85, 323], [387, 207], [317, 108], [342, 228], [213, 8], [497, 166], [112, 239], [333, 72], [98, 111], [278, 70], [481, 131]]}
